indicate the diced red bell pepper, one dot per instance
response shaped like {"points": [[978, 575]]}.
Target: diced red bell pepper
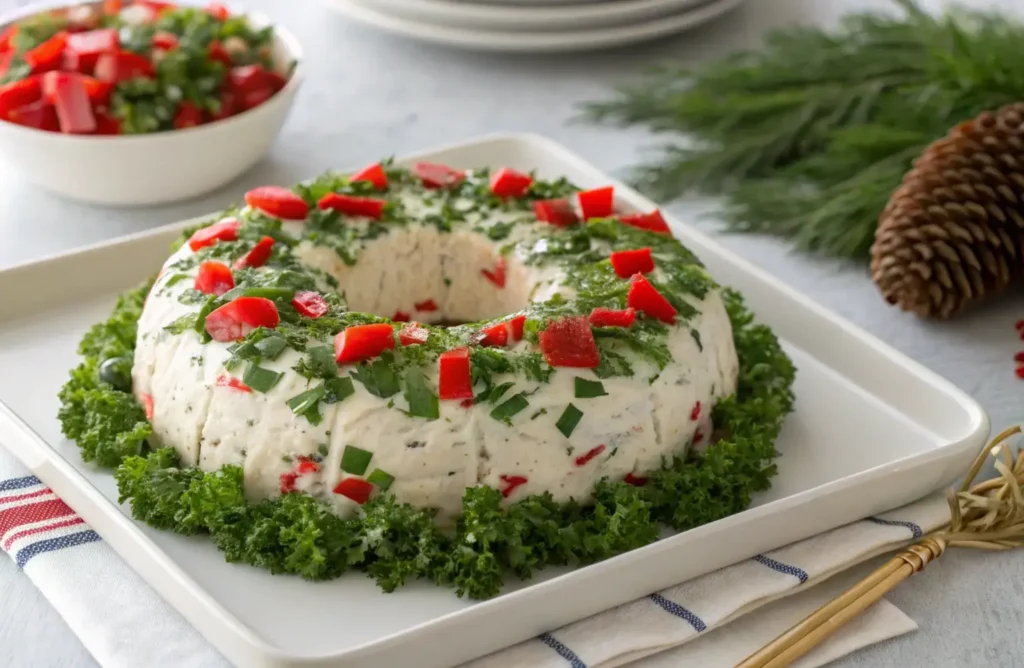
{"points": [[569, 342], [585, 458], [434, 175], [164, 40], [20, 93], [255, 98], [147, 405], [653, 221], [98, 91], [597, 203], [695, 411], [354, 488], [413, 334], [218, 11], [557, 212], [401, 316], [48, 55], [635, 481], [187, 116], [247, 79], [310, 304], [156, 7], [6, 36], [107, 124], [258, 256], [5, 62], [629, 262], [495, 336], [225, 230], [237, 318], [286, 482], [374, 173], [122, 66], [516, 326], [218, 54], [306, 465], [233, 383], [497, 276], [606, 317], [510, 483], [39, 115], [507, 182], [83, 49], [454, 378], [277, 202], [427, 307], [112, 7], [74, 111], [361, 342], [645, 297], [214, 278], [350, 205], [275, 81], [228, 106]]}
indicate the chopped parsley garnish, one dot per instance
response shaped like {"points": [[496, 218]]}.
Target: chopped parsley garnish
{"points": [[378, 377], [570, 417], [338, 389], [260, 379], [355, 460], [381, 479], [422, 401], [588, 389]]}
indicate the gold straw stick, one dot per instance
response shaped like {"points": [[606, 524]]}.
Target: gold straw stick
{"points": [[989, 515]]}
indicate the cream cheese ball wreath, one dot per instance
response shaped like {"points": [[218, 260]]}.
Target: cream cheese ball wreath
{"points": [[318, 346]]}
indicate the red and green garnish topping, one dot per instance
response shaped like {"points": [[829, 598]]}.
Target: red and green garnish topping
{"points": [[497, 276], [567, 422], [652, 222], [635, 481], [588, 389], [695, 411], [381, 479], [233, 321], [147, 405], [455, 380], [214, 278], [629, 262], [413, 334], [363, 342], [258, 256], [507, 182], [356, 489], [225, 230], [426, 306], [355, 460], [597, 203], [494, 335], [606, 317], [569, 342], [260, 379], [434, 175], [310, 304], [374, 174], [332, 391], [645, 297], [509, 483], [277, 202], [401, 316], [233, 383], [163, 70], [504, 411], [351, 205], [557, 212], [516, 326], [585, 458]]}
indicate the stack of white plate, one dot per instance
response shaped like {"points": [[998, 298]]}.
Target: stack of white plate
{"points": [[533, 25]]}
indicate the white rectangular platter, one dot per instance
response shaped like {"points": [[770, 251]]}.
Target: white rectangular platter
{"points": [[872, 430]]}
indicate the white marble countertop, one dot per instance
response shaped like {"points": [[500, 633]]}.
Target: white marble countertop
{"points": [[369, 95]]}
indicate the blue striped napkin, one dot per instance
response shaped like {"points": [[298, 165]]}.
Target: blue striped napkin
{"points": [[125, 624]]}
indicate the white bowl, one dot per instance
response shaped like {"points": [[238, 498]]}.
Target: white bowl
{"points": [[150, 169]]}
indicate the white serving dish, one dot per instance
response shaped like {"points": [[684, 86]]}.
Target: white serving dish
{"points": [[504, 40], [872, 430], [610, 13], [141, 170]]}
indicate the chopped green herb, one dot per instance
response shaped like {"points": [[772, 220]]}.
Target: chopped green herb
{"points": [[537, 414], [378, 377], [422, 401], [381, 479], [588, 389], [510, 407], [200, 325], [271, 347], [260, 379], [338, 389], [355, 460], [175, 278], [323, 450], [318, 363], [267, 293], [571, 417], [308, 404]]}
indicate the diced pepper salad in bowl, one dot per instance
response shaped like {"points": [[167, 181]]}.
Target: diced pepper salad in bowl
{"points": [[131, 68]]}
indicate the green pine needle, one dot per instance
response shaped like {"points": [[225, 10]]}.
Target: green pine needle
{"points": [[807, 137]]}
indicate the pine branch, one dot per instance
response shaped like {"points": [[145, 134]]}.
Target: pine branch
{"points": [[808, 135]]}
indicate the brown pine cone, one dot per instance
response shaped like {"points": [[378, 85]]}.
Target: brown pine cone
{"points": [[953, 232]]}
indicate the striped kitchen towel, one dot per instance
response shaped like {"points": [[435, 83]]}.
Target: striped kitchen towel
{"points": [[125, 624]]}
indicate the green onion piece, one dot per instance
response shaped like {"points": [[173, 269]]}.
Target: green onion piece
{"points": [[498, 392], [588, 389], [338, 389], [323, 450], [510, 407], [176, 278], [266, 293], [379, 378], [571, 417], [355, 460], [422, 402], [260, 379], [321, 361], [308, 403], [381, 479], [271, 347], [207, 308]]}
